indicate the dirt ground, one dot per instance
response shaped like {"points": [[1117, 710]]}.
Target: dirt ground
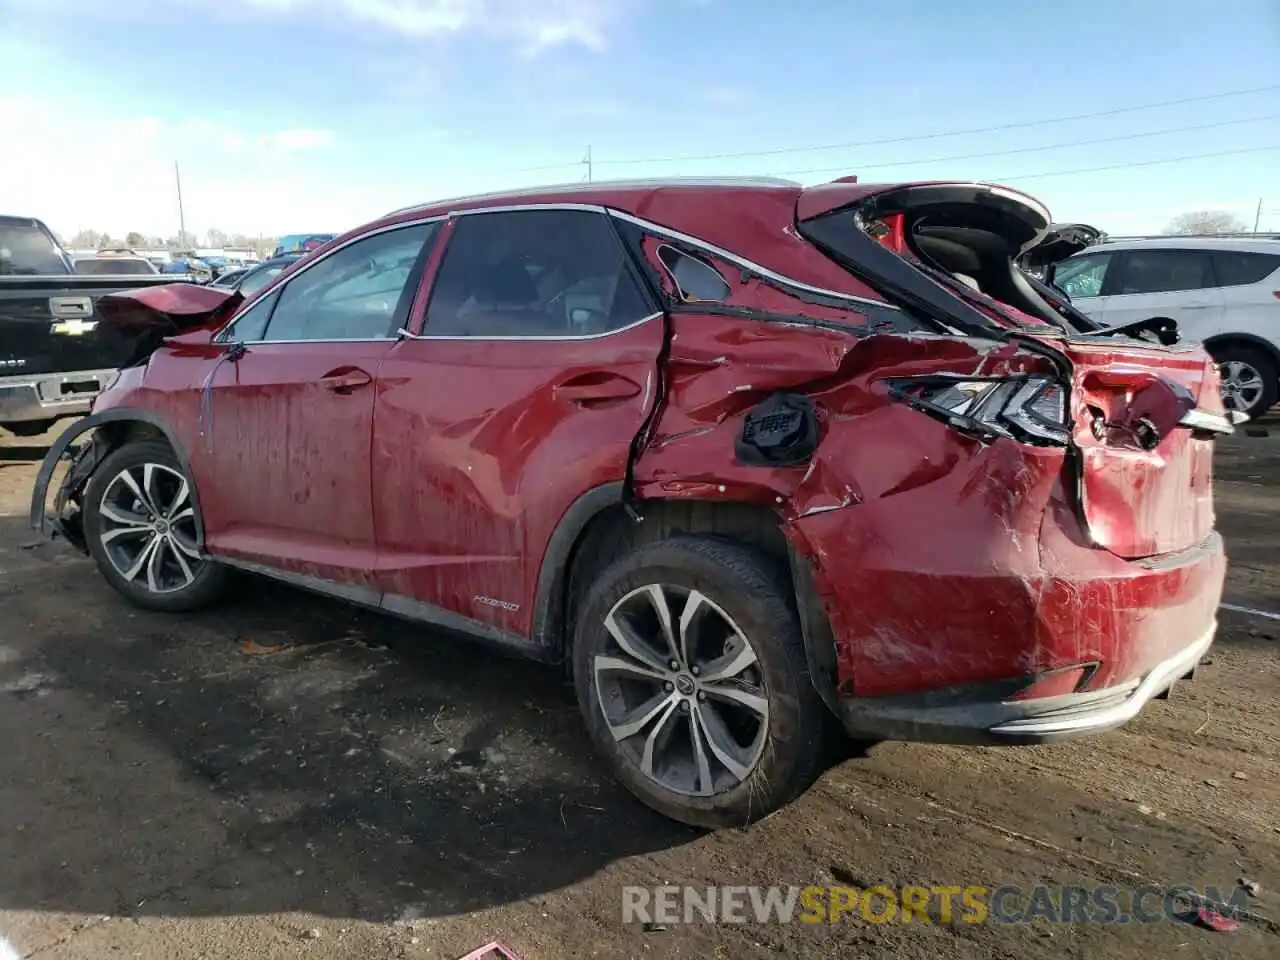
{"points": [[288, 777]]}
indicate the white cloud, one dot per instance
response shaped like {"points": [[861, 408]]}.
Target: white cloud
{"points": [[81, 168], [535, 25]]}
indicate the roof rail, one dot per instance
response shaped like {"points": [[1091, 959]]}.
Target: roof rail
{"points": [[1242, 235], [593, 185]]}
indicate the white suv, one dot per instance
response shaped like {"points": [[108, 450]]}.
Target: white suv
{"points": [[1224, 291]]}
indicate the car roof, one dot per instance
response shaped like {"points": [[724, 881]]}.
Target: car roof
{"points": [[1232, 244], [624, 194]]}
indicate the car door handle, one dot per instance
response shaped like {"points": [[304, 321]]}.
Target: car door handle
{"points": [[345, 380], [596, 387]]}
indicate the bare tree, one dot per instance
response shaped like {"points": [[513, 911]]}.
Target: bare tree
{"points": [[1206, 221], [215, 237], [133, 240], [86, 240]]}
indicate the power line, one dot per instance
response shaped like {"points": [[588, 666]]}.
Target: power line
{"points": [[1039, 122], [1004, 153], [1137, 163]]}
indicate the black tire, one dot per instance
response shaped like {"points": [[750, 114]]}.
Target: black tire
{"points": [[756, 595], [209, 579], [1260, 361]]}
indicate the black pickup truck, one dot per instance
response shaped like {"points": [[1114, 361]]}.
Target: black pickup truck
{"points": [[54, 356]]}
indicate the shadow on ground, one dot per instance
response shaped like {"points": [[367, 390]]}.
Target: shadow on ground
{"points": [[300, 732]]}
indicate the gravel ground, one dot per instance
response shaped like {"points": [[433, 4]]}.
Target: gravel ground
{"points": [[288, 777]]}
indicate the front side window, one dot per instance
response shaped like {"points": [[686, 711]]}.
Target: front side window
{"points": [[252, 324], [361, 292], [1082, 276], [534, 273], [1165, 271]]}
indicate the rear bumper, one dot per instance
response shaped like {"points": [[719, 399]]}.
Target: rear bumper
{"points": [[49, 396], [961, 716]]}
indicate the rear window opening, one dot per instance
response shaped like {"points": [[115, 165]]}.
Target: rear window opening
{"points": [[979, 251], [967, 239]]}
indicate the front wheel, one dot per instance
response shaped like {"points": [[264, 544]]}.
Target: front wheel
{"points": [[691, 674], [140, 527]]}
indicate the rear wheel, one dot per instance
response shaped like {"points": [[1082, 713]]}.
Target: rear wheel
{"points": [[1250, 378], [140, 527], [691, 674]]}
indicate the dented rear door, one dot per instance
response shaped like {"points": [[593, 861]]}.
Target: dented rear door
{"points": [[524, 387]]}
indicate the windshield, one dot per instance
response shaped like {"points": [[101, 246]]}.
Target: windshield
{"points": [[26, 250]]}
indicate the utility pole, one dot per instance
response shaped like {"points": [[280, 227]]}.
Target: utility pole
{"points": [[587, 161], [1257, 217], [182, 220]]}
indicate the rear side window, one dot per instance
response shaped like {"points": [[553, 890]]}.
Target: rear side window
{"points": [[361, 292], [1165, 271], [1083, 276], [1238, 269], [696, 279], [534, 274]]}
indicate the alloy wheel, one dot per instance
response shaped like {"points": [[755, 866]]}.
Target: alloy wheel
{"points": [[1242, 385], [149, 528], [681, 690]]}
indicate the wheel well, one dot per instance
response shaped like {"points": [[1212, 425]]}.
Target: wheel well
{"points": [[612, 532], [1247, 341], [120, 432]]}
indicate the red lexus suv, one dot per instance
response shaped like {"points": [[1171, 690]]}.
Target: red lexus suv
{"points": [[755, 461]]}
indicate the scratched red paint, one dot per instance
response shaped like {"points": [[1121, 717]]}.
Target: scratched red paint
{"points": [[941, 559]]}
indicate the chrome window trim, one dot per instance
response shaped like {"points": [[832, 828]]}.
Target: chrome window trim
{"points": [[248, 304], [742, 262], [406, 335], [647, 225], [659, 230]]}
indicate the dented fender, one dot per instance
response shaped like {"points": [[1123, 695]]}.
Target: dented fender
{"points": [[870, 448], [84, 461]]}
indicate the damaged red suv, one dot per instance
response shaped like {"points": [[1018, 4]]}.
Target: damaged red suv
{"points": [[754, 460]]}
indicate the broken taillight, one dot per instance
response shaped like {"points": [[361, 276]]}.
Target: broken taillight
{"points": [[1031, 409]]}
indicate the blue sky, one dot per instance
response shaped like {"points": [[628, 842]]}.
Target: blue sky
{"points": [[291, 115]]}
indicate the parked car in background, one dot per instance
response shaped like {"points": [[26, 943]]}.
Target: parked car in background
{"points": [[301, 243], [54, 355], [114, 265], [755, 461], [189, 265], [1223, 292], [250, 280], [1062, 241], [229, 277]]}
